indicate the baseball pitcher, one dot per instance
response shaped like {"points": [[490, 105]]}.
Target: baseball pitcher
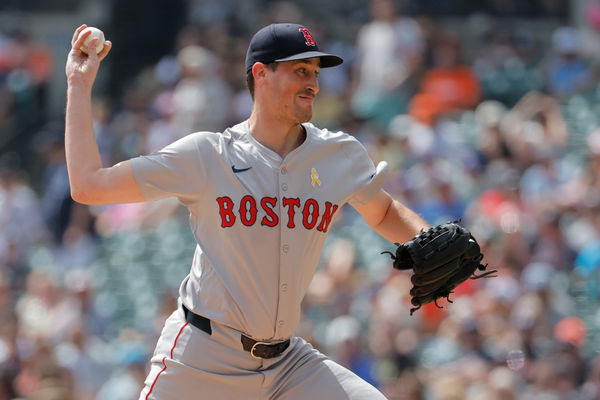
{"points": [[261, 197]]}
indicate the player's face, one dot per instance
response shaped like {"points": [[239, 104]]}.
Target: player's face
{"points": [[294, 86]]}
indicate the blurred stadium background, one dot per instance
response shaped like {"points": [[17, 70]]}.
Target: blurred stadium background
{"points": [[486, 110]]}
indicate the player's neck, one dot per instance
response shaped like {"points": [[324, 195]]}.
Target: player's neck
{"points": [[280, 136]]}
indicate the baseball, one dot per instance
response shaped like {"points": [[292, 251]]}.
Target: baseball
{"points": [[96, 33]]}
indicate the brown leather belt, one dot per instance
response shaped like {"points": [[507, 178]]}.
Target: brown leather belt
{"points": [[257, 349]]}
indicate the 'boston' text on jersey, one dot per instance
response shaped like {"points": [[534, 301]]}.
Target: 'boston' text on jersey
{"points": [[311, 213]]}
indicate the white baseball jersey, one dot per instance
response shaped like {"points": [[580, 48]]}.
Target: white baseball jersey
{"points": [[260, 221]]}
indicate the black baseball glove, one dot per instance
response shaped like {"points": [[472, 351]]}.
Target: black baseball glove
{"points": [[442, 257]]}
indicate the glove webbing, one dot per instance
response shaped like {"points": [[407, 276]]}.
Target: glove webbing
{"points": [[487, 274]]}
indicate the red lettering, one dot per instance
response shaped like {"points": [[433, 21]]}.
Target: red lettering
{"points": [[267, 204], [306, 213], [330, 209], [291, 204], [310, 41], [226, 211], [248, 212], [248, 205]]}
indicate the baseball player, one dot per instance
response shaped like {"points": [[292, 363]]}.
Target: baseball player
{"points": [[261, 197]]}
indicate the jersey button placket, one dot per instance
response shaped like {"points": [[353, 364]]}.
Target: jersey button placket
{"points": [[283, 299], [284, 274]]}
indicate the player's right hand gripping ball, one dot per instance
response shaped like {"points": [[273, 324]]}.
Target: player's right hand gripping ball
{"points": [[95, 33], [442, 257]]}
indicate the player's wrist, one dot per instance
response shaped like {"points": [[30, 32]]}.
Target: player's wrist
{"points": [[78, 84]]}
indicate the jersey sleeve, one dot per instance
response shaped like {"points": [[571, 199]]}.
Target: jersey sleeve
{"points": [[369, 179], [176, 170]]}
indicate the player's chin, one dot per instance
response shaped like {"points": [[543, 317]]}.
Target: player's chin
{"points": [[304, 118], [304, 114]]}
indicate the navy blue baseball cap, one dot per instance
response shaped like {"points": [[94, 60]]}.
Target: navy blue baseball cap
{"points": [[286, 42]]}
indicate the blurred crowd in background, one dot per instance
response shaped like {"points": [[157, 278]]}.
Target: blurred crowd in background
{"points": [[495, 123]]}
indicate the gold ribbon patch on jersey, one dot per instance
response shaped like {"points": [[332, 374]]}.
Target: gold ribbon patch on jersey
{"points": [[314, 176]]}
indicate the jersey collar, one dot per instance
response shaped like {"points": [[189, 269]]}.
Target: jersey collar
{"points": [[244, 129]]}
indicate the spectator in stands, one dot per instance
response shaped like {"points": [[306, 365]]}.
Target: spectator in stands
{"points": [[25, 74], [450, 86], [568, 71], [21, 222], [389, 49], [202, 98]]}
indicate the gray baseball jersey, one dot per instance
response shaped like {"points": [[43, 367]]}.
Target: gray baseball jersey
{"points": [[260, 221]]}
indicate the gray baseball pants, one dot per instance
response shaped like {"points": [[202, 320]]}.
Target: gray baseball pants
{"points": [[191, 364]]}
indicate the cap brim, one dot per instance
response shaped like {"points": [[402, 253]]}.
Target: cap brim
{"points": [[327, 60]]}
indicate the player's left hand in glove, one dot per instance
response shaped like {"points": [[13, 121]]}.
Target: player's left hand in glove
{"points": [[442, 257]]}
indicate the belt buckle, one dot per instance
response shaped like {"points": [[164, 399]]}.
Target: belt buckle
{"points": [[254, 347]]}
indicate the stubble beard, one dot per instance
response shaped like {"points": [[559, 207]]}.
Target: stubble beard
{"points": [[296, 113], [304, 114]]}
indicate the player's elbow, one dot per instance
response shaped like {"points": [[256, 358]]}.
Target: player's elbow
{"points": [[85, 193], [81, 196], [88, 188]]}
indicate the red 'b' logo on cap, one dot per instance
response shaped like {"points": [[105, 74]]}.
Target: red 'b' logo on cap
{"points": [[307, 35]]}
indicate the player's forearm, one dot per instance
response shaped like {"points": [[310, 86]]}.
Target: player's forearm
{"points": [[90, 183], [400, 223], [83, 157]]}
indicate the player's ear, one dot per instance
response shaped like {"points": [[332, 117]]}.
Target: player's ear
{"points": [[259, 71]]}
